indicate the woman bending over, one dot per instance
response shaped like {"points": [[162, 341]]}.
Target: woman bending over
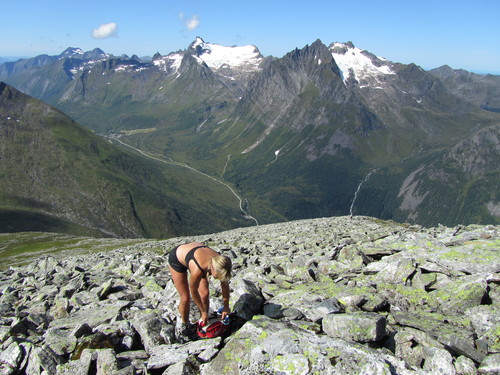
{"points": [[201, 261]]}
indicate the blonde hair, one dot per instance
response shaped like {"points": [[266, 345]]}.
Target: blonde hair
{"points": [[222, 266]]}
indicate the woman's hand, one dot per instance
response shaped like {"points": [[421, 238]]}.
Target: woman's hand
{"points": [[225, 312], [204, 318]]}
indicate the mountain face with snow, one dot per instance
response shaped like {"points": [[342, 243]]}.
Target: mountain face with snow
{"points": [[359, 67], [321, 131], [244, 58]]}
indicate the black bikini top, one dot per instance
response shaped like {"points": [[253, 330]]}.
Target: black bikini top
{"points": [[190, 256]]}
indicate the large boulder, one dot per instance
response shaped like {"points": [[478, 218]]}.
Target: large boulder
{"points": [[264, 345], [357, 326]]}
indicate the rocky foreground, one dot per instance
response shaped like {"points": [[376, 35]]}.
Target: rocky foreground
{"points": [[326, 296]]}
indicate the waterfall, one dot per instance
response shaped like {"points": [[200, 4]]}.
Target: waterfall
{"points": [[357, 190]]}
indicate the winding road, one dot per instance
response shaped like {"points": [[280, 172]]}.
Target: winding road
{"points": [[157, 158]]}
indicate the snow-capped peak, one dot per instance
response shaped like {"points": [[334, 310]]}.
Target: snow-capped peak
{"points": [[360, 65], [246, 57], [198, 42], [70, 52]]}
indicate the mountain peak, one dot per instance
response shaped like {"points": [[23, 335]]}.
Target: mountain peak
{"points": [[78, 53], [70, 52], [198, 41]]}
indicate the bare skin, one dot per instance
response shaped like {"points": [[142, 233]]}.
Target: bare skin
{"points": [[197, 285]]}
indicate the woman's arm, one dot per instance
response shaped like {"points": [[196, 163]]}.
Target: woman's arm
{"points": [[225, 298]]}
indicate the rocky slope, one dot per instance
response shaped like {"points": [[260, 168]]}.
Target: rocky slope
{"points": [[326, 296]]}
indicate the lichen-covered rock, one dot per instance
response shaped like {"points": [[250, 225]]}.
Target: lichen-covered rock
{"points": [[357, 326], [465, 292], [166, 355], [264, 345], [106, 362], [61, 341]]}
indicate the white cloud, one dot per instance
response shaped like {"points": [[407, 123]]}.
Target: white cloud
{"points": [[105, 30], [191, 23]]}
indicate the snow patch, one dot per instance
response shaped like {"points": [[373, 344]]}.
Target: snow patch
{"points": [[171, 61], [216, 56], [354, 61], [198, 129]]}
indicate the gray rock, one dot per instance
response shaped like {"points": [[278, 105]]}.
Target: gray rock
{"points": [[357, 326], [249, 300], [483, 318], [458, 339], [106, 362], [181, 368], [61, 341], [324, 308], [80, 366], [292, 313], [398, 271], [490, 365], [465, 366], [167, 355], [132, 354], [10, 359], [273, 310], [43, 358], [439, 362], [151, 331], [93, 316]]}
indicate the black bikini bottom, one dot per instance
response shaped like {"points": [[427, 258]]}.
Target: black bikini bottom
{"points": [[174, 262]]}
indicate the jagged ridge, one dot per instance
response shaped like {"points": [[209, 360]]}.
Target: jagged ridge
{"points": [[298, 134]]}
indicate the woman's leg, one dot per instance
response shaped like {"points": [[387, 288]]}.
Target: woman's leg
{"points": [[181, 284], [204, 293]]}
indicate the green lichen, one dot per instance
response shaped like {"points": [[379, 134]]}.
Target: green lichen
{"points": [[288, 364], [153, 286], [493, 337], [415, 296]]}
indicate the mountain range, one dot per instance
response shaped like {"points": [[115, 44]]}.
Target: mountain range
{"points": [[322, 131]]}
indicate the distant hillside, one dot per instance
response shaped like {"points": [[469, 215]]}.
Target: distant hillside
{"points": [[480, 89], [458, 184], [57, 176]]}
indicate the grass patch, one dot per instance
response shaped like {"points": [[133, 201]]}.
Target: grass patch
{"points": [[18, 249]]}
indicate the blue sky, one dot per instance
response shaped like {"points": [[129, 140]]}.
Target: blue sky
{"points": [[463, 34]]}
